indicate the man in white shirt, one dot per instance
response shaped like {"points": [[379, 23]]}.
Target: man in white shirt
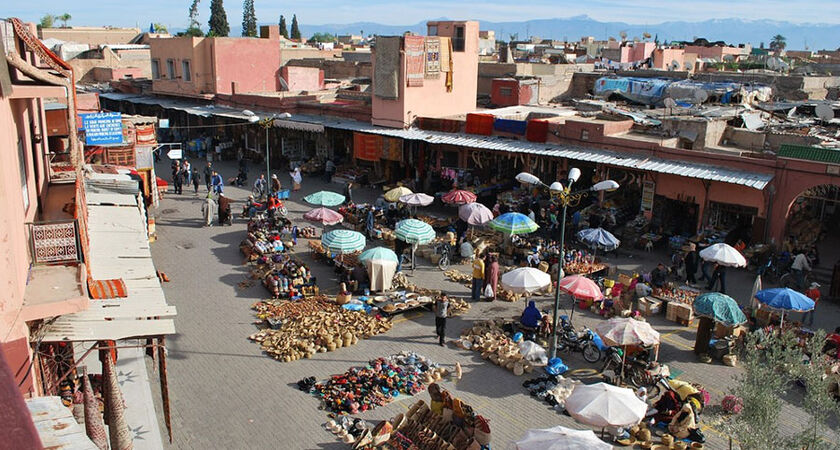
{"points": [[798, 268]]}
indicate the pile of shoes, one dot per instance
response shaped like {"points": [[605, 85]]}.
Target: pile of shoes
{"points": [[552, 389], [349, 431], [306, 384]]}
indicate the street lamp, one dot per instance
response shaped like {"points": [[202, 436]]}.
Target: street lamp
{"points": [[267, 123], [566, 197]]}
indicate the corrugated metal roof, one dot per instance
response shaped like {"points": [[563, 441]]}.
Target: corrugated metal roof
{"points": [[820, 154], [56, 425]]}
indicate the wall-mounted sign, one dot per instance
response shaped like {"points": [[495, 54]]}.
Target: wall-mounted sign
{"points": [[102, 128], [648, 191]]}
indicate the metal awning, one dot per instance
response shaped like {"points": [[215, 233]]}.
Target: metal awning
{"points": [[119, 249], [299, 126]]}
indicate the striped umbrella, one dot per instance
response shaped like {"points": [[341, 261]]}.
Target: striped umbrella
{"points": [[419, 199], [513, 223], [378, 253], [324, 216], [394, 194], [325, 198], [415, 231], [459, 197], [343, 241]]}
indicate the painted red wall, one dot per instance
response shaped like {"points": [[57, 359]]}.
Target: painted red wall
{"points": [[303, 78], [253, 65]]}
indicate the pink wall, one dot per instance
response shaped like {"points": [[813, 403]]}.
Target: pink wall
{"points": [[712, 52], [432, 100], [640, 51], [197, 51], [252, 64], [303, 78], [662, 58]]}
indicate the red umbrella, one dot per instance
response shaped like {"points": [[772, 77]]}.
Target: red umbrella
{"points": [[581, 287], [459, 197]]}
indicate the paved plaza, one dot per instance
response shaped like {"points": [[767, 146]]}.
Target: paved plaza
{"points": [[225, 393]]}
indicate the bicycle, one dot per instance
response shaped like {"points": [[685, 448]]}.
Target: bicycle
{"points": [[444, 250]]}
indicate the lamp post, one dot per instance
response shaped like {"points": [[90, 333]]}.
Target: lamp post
{"points": [[566, 197], [267, 123]]}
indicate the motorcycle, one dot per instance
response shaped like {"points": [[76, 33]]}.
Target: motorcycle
{"points": [[638, 372], [571, 340]]}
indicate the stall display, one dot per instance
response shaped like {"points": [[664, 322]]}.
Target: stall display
{"points": [[552, 389], [361, 389], [285, 276], [449, 423], [488, 338], [681, 294], [263, 239], [315, 325], [313, 166]]}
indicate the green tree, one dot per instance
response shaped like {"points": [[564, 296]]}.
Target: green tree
{"points": [[47, 21], [194, 15], [64, 18], [322, 37], [160, 28], [218, 20], [778, 43], [284, 30], [192, 32], [249, 19], [295, 30]]}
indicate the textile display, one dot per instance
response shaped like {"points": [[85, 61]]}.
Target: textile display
{"points": [[537, 131], [145, 134], [445, 54], [121, 157], [510, 126], [121, 438], [94, 426], [144, 157], [103, 289], [386, 74], [381, 273], [480, 124], [445, 125], [367, 147], [392, 149], [414, 60], [432, 57]]}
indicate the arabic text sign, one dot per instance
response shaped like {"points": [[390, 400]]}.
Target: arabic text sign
{"points": [[102, 128]]}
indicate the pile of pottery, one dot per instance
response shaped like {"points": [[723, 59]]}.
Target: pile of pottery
{"points": [[301, 329], [457, 306], [552, 389], [488, 338], [458, 277], [446, 423], [363, 388], [308, 232]]}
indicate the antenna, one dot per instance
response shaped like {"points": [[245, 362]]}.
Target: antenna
{"points": [[824, 112]]}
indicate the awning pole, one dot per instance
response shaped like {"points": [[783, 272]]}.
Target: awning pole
{"points": [[164, 386]]}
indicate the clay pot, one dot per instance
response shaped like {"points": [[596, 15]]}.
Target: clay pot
{"points": [[668, 440]]}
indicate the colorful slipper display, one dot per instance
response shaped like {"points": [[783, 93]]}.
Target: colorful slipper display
{"points": [[364, 388]]}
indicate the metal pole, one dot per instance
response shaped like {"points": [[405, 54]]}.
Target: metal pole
{"points": [[559, 276], [267, 165]]}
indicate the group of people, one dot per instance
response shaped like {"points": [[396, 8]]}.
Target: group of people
{"points": [[485, 277]]}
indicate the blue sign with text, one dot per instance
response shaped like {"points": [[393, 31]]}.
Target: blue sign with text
{"points": [[103, 128]]}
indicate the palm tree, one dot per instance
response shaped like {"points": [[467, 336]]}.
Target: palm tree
{"points": [[64, 18], [778, 43]]}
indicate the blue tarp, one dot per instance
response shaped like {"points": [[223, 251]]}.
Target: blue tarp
{"points": [[510, 126], [652, 91]]}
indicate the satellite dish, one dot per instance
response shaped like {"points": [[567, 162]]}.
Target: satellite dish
{"points": [[675, 64], [669, 102], [824, 112], [772, 64], [700, 96]]}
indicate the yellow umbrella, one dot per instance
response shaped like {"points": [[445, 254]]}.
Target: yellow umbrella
{"points": [[394, 194]]}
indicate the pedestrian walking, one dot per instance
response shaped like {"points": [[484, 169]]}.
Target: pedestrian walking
{"points": [[692, 259], [441, 313], [491, 276], [718, 275], [275, 184], [195, 178], [208, 175], [348, 193], [296, 179], [187, 172], [329, 170], [178, 180], [217, 183], [224, 210], [813, 293], [208, 210]]}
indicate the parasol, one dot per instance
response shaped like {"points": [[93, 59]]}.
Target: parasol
{"points": [[324, 198], [459, 197], [378, 253], [419, 199], [513, 223], [720, 308], [598, 238], [475, 213], [723, 254], [626, 331], [525, 279], [324, 216], [785, 299], [394, 194], [604, 405], [560, 438], [414, 231], [343, 241]]}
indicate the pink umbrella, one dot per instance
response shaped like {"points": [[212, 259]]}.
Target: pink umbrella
{"points": [[459, 197], [324, 216], [578, 286], [475, 213]]}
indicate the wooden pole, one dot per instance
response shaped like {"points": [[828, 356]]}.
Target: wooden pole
{"points": [[164, 386]]}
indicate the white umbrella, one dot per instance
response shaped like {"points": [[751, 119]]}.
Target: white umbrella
{"points": [[475, 213], [419, 199], [604, 405], [561, 438], [525, 279], [627, 331], [723, 254]]}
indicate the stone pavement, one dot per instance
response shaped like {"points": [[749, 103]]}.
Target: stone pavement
{"points": [[226, 394]]}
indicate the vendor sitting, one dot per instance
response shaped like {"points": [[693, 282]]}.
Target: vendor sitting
{"points": [[659, 276], [531, 316], [252, 206], [467, 250], [684, 425]]}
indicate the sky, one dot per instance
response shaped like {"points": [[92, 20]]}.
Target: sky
{"points": [[173, 13]]}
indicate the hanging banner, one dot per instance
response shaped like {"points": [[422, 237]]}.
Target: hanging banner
{"points": [[392, 149], [367, 147], [102, 128], [648, 191]]}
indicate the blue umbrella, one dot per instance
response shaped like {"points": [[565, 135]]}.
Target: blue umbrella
{"points": [[785, 299], [378, 253], [513, 223], [599, 238]]}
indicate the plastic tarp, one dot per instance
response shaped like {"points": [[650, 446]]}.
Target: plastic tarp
{"points": [[648, 91], [653, 91], [381, 273]]}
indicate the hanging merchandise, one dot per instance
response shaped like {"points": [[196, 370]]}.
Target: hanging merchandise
{"points": [[414, 60], [392, 149], [480, 124], [432, 57], [367, 147]]}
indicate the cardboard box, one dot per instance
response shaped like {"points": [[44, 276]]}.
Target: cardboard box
{"points": [[683, 311], [650, 306], [722, 330], [624, 279], [671, 313]]}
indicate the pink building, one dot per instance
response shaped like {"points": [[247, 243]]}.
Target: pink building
{"points": [[716, 52], [205, 66], [664, 59], [416, 76], [41, 277], [628, 52]]}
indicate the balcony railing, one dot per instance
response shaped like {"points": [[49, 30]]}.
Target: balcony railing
{"points": [[54, 242]]}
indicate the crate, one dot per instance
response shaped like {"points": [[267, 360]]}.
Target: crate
{"points": [[680, 311], [650, 306]]}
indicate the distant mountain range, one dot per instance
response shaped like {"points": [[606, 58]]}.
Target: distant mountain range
{"points": [[733, 31]]}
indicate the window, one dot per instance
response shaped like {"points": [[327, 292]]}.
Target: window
{"points": [[433, 30], [170, 69], [185, 69], [155, 69], [506, 92], [584, 135], [24, 186], [458, 40]]}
